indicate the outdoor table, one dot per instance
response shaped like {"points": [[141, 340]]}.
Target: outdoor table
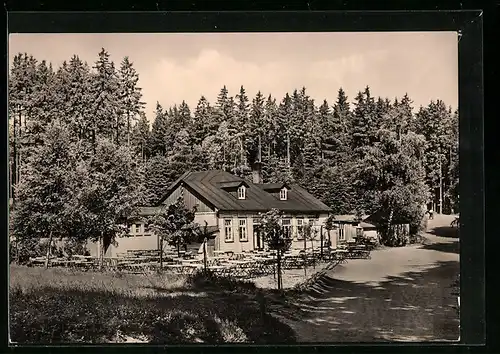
{"points": [[219, 270], [358, 252], [292, 262], [265, 265], [191, 261], [241, 268], [174, 267], [190, 268]]}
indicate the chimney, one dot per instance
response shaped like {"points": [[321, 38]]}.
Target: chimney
{"points": [[257, 173]]}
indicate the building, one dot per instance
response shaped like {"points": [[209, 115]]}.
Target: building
{"points": [[345, 229], [231, 205], [399, 224]]}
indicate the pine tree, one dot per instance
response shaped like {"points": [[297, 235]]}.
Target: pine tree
{"points": [[223, 107], [452, 193], [255, 129], [111, 190], [335, 128], [392, 178], [184, 117], [159, 131], [63, 95], [324, 116], [159, 177], [45, 190], [284, 128], [130, 94], [241, 120], [383, 117], [203, 122], [270, 126], [141, 137], [363, 126], [106, 119], [22, 75], [43, 100], [433, 122], [337, 191], [75, 81]]}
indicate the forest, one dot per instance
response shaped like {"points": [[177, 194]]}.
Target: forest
{"points": [[83, 154]]}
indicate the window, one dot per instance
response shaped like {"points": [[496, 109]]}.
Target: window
{"points": [[137, 228], [228, 235], [287, 227], [283, 194], [300, 229], [147, 231], [341, 232], [243, 230], [241, 192]]}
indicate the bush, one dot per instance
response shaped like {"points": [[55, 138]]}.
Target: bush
{"points": [[209, 280], [22, 250]]}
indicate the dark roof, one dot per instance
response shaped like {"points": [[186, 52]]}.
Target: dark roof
{"points": [[232, 184], [273, 186], [366, 225], [210, 228], [381, 215], [207, 185]]}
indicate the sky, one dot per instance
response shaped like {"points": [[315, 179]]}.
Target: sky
{"points": [[174, 67]]}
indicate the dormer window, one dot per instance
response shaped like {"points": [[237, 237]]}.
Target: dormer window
{"points": [[283, 193], [241, 192]]}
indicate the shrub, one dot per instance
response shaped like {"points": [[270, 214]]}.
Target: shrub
{"points": [[210, 280]]}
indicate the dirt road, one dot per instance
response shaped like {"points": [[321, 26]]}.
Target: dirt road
{"points": [[401, 294]]}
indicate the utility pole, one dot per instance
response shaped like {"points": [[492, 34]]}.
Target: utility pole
{"points": [[161, 252], [440, 185], [288, 149]]}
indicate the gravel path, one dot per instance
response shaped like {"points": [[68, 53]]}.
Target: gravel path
{"points": [[401, 294]]}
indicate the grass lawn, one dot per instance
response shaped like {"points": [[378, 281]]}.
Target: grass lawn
{"points": [[61, 306]]}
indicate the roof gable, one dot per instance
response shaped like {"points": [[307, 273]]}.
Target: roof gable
{"points": [[208, 185], [274, 186], [232, 184]]}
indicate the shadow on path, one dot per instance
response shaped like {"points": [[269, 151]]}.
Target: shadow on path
{"points": [[447, 247], [416, 305], [444, 231]]}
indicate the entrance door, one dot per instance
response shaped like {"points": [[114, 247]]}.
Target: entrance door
{"points": [[257, 237]]}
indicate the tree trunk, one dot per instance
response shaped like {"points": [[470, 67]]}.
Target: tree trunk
{"points": [[14, 160], [242, 153], [260, 149], [278, 263], [312, 254], [205, 254], [161, 252], [389, 223], [321, 241], [440, 186], [305, 256], [288, 150], [19, 146], [47, 257], [101, 252]]}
